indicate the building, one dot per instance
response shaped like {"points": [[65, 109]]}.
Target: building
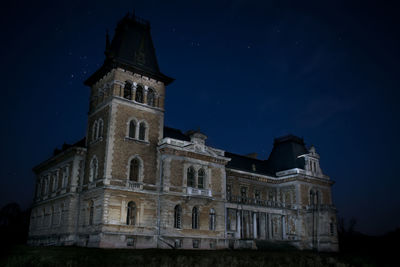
{"points": [[133, 182]]}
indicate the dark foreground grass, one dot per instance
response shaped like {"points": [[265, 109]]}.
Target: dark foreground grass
{"points": [[76, 256]]}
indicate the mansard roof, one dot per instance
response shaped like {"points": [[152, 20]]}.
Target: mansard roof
{"points": [[284, 156], [175, 134], [65, 146], [132, 49], [285, 153], [248, 164]]}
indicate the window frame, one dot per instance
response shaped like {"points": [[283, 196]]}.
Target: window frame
{"points": [[131, 213], [195, 218]]}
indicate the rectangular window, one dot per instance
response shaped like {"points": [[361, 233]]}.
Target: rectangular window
{"points": [[178, 243], [243, 194], [228, 192], [212, 244], [130, 242], [231, 224], [196, 243]]}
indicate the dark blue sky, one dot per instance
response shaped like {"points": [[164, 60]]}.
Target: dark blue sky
{"points": [[246, 72]]}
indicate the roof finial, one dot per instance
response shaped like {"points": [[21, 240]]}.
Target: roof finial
{"points": [[107, 41], [133, 13]]}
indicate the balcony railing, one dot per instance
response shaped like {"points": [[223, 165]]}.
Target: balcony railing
{"points": [[320, 207], [259, 202], [135, 185], [198, 192]]}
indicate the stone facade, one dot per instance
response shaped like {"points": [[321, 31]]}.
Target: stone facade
{"points": [[133, 184]]}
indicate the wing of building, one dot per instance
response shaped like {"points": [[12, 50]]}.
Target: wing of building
{"points": [[133, 182]]}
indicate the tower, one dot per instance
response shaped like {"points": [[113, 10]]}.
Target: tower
{"points": [[125, 125]]}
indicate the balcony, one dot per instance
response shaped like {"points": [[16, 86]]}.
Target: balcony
{"points": [[321, 207], [198, 192], [135, 185], [259, 202]]}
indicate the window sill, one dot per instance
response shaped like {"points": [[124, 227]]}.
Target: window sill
{"points": [[127, 138]]}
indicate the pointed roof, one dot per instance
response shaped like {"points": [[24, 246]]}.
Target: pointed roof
{"points": [[131, 48]]}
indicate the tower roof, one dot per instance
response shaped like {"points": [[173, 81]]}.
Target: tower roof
{"points": [[131, 48], [284, 155]]}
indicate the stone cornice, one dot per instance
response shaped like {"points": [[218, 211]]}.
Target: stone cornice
{"points": [[177, 151], [272, 180]]}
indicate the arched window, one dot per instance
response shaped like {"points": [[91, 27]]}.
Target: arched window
{"points": [[151, 97], [139, 94], [39, 187], [51, 221], [99, 132], [94, 131], [195, 218], [134, 166], [212, 219], [312, 195], [65, 177], [178, 217], [91, 212], [93, 171], [142, 131], [47, 185], [61, 213], [332, 227], [200, 179], [55, 181], [132, 129], [128, 90], [317, 196], [190, 177], [131, 213], [43, 219]]}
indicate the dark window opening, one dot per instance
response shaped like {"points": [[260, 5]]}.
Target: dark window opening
{"points": [[131, 213], [190, 177], [195, 218], [142, 131], [134, 170], [200, 181], [150, 97], [132, 129], [128, 90], [177, 216], [139, 94]]}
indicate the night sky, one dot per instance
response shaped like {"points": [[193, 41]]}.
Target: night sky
{"points": [[246, 72]]}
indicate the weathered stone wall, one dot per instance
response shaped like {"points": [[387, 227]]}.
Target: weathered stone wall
{"points": [[97, 148], [125, 148]]}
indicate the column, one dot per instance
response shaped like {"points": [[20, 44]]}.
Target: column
{"points": [[255, 225], [269, 226], [283, 228], [238, 220]]}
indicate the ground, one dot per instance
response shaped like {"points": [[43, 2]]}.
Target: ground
{"points": [[76, 256]]}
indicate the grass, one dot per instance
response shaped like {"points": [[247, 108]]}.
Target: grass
{"points": [[76, 256]]}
